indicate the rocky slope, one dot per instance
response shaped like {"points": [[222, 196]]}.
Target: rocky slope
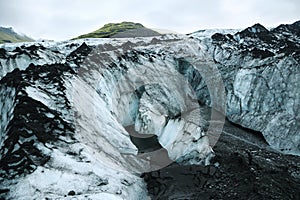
{"points": [[72, 112]]}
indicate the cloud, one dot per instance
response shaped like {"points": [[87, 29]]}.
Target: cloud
{"points": [[64, 19]]}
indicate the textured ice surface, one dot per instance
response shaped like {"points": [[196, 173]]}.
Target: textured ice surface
{"points": [[152, 84], [7, 97]]}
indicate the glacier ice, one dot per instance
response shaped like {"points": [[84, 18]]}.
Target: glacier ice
{"points": [[150, 84]]}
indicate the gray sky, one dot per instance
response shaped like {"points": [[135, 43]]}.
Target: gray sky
{"points": [[65, 19]]}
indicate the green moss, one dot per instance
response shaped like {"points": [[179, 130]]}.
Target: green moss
{"points": [[111, 29], [7, 35]]}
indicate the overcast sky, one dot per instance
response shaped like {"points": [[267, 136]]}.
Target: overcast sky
{"points": [[65, 19]]}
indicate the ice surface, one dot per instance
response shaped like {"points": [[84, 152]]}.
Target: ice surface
{"points": [[135, 82], [7, 98], [209, 32]]}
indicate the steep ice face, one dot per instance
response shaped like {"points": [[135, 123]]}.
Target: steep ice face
{"points": [[175, 120], [261, 75], [140, 87]]}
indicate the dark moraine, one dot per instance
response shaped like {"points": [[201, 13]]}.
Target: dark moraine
{"points": [[244, 168]]}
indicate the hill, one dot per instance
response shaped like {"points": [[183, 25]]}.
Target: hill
{"points": [[121, 30], [8, 35]]}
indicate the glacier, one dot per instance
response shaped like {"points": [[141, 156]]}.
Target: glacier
{"points": [[66, 106]]}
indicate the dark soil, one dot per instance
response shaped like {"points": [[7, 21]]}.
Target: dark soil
{"points": [[244, 167]]}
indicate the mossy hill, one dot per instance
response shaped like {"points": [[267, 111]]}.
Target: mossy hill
{"points": [[8, 35], [113, 29]]}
